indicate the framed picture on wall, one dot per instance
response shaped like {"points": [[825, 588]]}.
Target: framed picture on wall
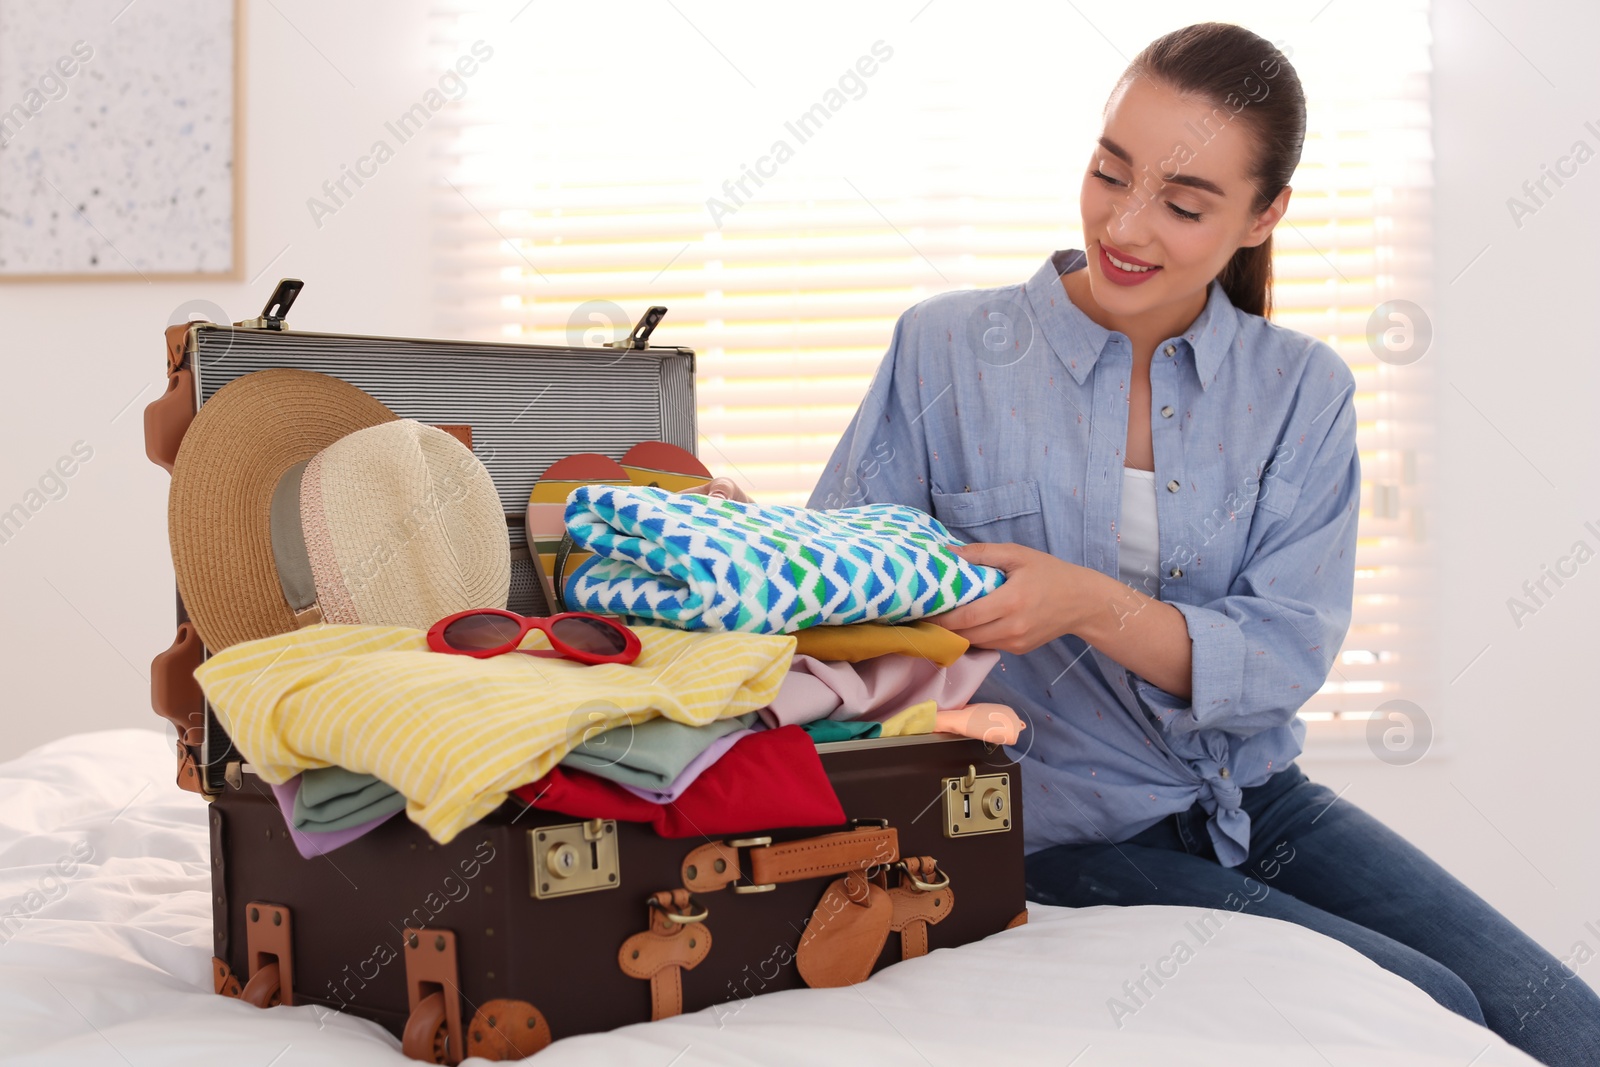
{"points": [[120, 142]]}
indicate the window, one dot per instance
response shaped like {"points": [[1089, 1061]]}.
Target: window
{"points": [[787, 181]]}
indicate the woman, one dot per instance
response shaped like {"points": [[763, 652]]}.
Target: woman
{"points": [[1171, 484]]}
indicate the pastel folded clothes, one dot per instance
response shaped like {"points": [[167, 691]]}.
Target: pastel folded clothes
{"points": [[917, 719], [336, 798], [455, 734], [695, 767], [824, 731], [993, 723], [657, 752], [704, 563], [866, 640], [819, 689], [771, 780], [650, 755], [314, 843]]}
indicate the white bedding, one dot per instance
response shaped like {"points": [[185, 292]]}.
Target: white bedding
{"points": [[110, 964]]}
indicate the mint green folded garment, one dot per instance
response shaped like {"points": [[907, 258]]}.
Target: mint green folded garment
{"points": [[651, 754], [824, 730], [333, 798]]}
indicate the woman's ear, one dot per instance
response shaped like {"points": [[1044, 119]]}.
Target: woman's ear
{"points": [[1263, 226]]}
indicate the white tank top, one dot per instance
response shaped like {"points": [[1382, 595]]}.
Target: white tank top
{"points": [[1139, 544]]}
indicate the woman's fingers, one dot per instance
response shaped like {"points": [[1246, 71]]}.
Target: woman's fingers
{"points": [[725, 488], [980, 612], [1001, 554]]}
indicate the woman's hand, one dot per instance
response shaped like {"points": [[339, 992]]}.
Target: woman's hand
{"points": [[1038, 603]]}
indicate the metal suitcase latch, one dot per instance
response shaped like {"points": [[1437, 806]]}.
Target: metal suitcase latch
{"points": [[578, 857], [275, 315], [977, 804]]}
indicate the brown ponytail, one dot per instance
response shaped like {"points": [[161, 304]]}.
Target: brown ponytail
{"points": [[1223, 63]]}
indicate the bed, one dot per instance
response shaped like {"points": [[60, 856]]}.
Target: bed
{"points": [[109, 963]]}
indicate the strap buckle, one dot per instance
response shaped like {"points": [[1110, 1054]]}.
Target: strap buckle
{"points": [[751, 842], [925, 887], [681, 918]]}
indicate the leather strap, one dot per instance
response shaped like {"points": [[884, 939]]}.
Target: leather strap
{"points": [[661, 953], [846, 933], [818, 857], [167, 418], [188, 769], [712, 866], [174, 693], [177, 343], [716, 865], [462, 433], [916, 909]]}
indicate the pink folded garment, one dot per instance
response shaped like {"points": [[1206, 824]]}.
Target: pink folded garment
{"points": [[692, 769], [996, 724], [874, 688]]}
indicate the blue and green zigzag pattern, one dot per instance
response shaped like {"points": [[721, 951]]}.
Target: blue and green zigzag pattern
{"points": [[703, 563]]}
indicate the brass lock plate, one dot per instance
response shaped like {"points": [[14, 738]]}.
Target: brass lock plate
{"points": [[578, 857], [977, 804]]}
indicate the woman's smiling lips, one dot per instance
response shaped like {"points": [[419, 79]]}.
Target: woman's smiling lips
{"points": [[1123, 276]]}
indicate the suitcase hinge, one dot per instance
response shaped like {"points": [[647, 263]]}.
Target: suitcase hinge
{"points": [[639, 337], [275, 315]]}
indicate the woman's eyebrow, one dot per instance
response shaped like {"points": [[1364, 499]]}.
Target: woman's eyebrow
{"points": [[1193, 181]]}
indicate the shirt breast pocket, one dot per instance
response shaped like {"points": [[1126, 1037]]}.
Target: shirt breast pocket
{"points": [[1277, 495], [1013, 513]]}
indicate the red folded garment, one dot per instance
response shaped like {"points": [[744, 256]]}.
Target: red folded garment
{"points": [[771, 780]]}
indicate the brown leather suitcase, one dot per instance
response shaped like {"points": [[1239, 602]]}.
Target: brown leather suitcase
{"points": [[532, 925]]}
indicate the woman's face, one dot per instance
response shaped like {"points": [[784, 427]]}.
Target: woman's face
{"points": [[1168, 186]]}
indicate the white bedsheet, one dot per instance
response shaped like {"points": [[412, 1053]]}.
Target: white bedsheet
{"points": [[111, 965]]}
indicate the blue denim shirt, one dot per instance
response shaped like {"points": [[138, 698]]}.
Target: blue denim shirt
{"points": [[1004, 413]]}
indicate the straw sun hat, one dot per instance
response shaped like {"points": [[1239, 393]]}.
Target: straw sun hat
{"points": [[297, 498]]}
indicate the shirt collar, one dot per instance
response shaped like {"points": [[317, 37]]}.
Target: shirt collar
{"points": [[1078, 340]]}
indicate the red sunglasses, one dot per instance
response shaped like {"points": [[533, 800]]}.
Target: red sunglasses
{"points": [[576, 635]]}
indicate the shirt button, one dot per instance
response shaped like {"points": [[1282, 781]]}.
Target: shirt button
{"points": [[1176, 572], [1172, 486], [1169, 350], [1166, 412], [1224, 772]]}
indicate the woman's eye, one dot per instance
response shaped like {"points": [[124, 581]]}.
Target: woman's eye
{"points": [[1187, 216]]}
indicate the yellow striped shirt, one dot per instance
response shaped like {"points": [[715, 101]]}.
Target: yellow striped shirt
{"points": [[455, 734]]}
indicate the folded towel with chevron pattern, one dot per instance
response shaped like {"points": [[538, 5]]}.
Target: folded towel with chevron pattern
{"points": [[703, 563]]}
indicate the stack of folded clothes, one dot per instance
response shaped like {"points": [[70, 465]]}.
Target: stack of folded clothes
{"points": [[763, 632], [838, 580], [703, 733]]}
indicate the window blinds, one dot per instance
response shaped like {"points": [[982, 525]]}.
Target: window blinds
{"points": [[787, 181]]}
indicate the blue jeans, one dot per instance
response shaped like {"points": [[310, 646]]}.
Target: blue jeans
{"points": [[1323, 863]]}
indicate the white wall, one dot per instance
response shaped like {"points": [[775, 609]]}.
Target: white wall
{"points": [[1509, 809], [88, 584]]}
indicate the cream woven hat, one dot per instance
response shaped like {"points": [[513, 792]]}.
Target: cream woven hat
{"points": [[297, 498]]}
